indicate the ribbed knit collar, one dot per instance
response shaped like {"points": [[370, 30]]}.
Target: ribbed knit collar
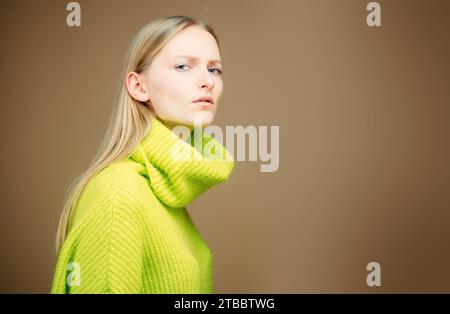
{"points": [[178, 182]]}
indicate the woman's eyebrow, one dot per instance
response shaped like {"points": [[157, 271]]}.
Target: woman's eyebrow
{"points": [[195, 58]]}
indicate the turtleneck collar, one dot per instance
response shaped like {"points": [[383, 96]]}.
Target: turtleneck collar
{"points": [[177, 182]]}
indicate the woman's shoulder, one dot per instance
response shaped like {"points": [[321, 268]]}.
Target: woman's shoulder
{"points": [[119, 186], [124, 178]]}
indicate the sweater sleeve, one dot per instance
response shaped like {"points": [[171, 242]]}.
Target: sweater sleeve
{"points": [[110, 248]]}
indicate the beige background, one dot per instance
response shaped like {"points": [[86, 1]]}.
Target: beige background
{"points": [[364, 122]]}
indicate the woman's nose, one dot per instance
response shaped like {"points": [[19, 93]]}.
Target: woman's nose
{"points": [[206, 80]]}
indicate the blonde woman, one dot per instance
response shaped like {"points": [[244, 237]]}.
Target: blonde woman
{"points": [[124, 227]]}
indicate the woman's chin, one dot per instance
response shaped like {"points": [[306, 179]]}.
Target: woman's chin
{"points": [[203, 118]]}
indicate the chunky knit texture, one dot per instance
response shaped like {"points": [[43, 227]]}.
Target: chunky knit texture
{"points": [[131, 232]]}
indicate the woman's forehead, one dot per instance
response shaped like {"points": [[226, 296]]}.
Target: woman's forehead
{"points": [[194, 43]]}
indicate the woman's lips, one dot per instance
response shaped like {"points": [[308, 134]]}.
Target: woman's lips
{"points": [[205, 104]]}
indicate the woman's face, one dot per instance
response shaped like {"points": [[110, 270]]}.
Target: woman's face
{"points": [[186, 68]]}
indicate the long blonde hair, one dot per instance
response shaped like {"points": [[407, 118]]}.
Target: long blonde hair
{"points": [[130, 119]]}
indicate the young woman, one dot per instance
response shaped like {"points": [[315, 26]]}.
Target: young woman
{"points": [[124, 226]]}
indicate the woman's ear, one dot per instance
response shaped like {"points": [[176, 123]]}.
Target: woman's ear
{"points": [[135, 87]]}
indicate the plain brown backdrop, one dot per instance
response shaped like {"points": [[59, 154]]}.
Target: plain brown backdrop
{"points": [[364, 120]]}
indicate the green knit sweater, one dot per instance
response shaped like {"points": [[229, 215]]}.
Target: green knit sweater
{"points": [[130, 231]]}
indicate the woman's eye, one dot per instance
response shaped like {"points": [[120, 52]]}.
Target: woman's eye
{"points": [[219, 71], [181, 65]]}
